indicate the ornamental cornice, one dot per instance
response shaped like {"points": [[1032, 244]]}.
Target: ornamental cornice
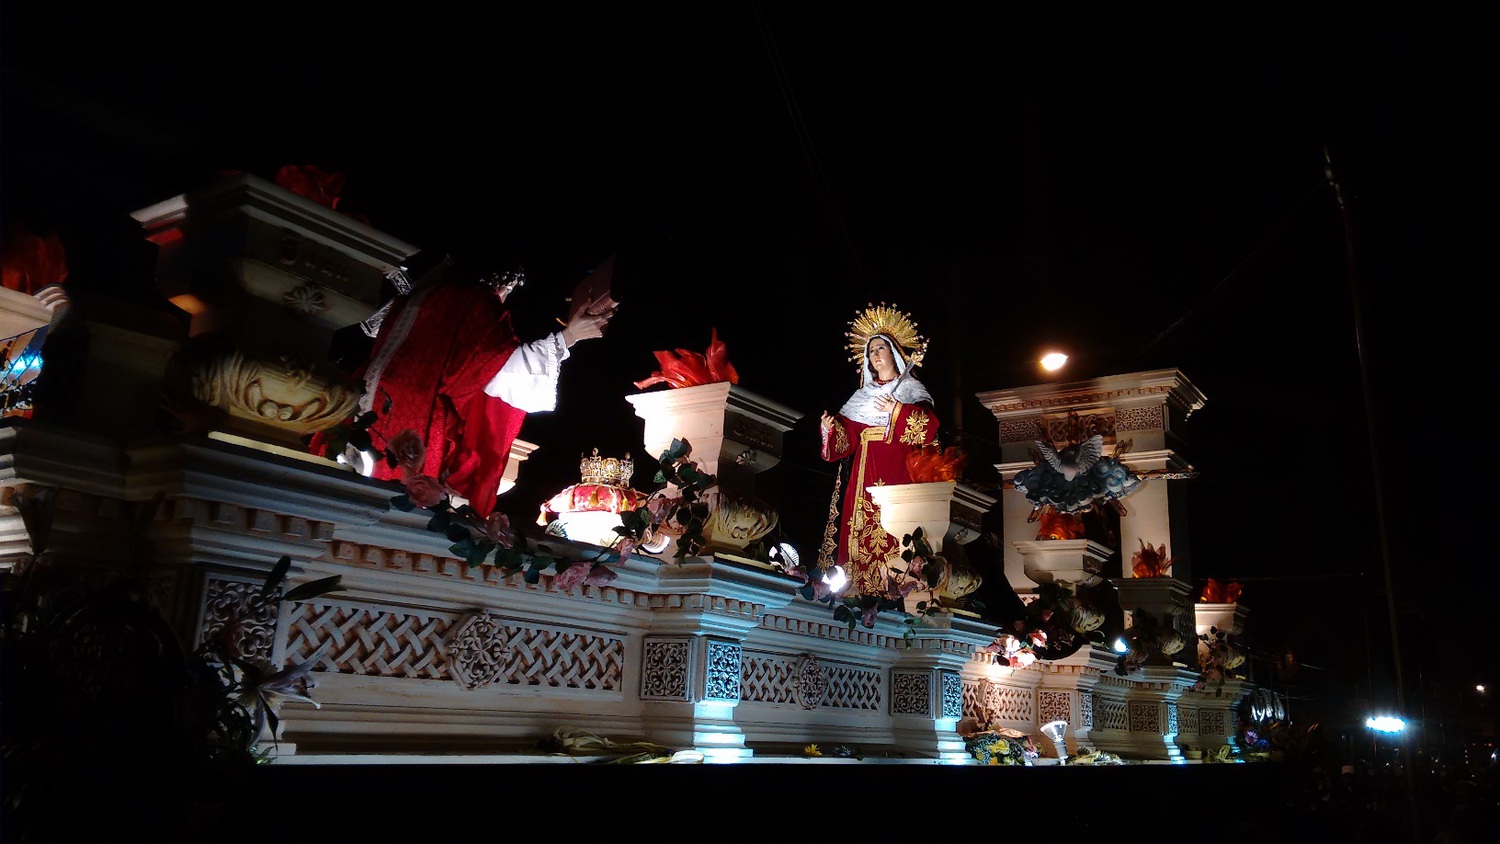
{"points": [[831, 630], [1170, 384]]}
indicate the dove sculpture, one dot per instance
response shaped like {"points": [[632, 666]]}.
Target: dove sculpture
{"points": [[1075, 459]]}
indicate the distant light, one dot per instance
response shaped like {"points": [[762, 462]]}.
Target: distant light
{"points": [[1121, 646], [1053, 361], [1385, 723], [1479, 688]]}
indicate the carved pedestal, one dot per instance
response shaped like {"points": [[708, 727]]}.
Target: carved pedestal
{"points": [[949, 514], [734, 435], [692, 663], [267, 277], [1077, 561], [1166, 600]]}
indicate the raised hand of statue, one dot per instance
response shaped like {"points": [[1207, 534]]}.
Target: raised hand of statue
{"points": [[589, 318], [827, 421]]}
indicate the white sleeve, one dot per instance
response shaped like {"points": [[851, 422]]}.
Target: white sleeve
{"points": [[528, 380]]}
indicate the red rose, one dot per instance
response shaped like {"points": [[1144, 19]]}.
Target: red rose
{"points": [[408, 450]]}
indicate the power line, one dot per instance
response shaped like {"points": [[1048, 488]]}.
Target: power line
{"points": [[804, 137]]}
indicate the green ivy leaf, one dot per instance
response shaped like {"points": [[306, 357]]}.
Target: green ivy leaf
{"points": [[439, 522], [403, 503], [275, 576], [459, 533]]}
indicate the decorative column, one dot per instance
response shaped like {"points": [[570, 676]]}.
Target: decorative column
{"points": [[927, 688], [1066, 693], [692, 660], [1144, 409], [1166, 601], [734, 435], [267, 277]]}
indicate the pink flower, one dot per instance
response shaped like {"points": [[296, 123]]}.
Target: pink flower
{"points": [[994, 647], [600, 576], [897, 590], [424, 490], [497, 528], [574, 575], [626, 546], [408, 450], [870, 614], [821, 592], [914, 568]]}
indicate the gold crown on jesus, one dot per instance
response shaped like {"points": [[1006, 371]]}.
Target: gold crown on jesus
{"points": [[606, 470], [890, 321]]}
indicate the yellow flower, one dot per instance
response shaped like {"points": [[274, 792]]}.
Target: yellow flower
{"points": [[811, 750]]}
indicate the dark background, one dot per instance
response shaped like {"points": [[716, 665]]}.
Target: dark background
{"points": [[1144, 187]]}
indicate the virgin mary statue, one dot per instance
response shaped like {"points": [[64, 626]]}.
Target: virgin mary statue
{"points": [[890, 415]]}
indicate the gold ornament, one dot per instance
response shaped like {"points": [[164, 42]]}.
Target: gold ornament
{"points": [[606, 470], [892, 322]]}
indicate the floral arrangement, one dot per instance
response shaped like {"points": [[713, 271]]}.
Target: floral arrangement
{"points": [[993, 744], [115, 698], [1095, 757], [924, 571], [1217, 658], [680, 508], [691, 369]]}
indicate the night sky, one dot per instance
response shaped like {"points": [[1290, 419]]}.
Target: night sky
{"points": [[1144, 188]]}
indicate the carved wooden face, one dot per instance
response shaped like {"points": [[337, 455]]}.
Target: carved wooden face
{"points": [[882, 359]]}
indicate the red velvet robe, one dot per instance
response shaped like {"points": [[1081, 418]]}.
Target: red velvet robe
{"points": [[460, 337], [877, 456]]}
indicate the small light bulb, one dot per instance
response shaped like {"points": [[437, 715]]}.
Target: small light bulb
{"points": [[1121, 646], [1053, 361], [837, 581]]}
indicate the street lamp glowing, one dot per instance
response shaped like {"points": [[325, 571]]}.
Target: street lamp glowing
{"points": [[1479, 688], [1053, 361], [1385, 724]]}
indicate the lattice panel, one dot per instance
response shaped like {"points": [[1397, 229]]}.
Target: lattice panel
{"points": [[253, 614], [768, 680], [723, 677], [1147, 418], [1173, 725], [370, 641], [388, 643], [953, 695], [664, 674], [993, 702], [1020, 430], [1054, 706], [1086, 711], [853, 688], [1145, 717], [1189, 722], [911, 693], [1110, 715], [1212, 722], [564, 659]]}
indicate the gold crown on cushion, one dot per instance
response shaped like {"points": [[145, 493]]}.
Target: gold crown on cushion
{"points": [[606, 470], [888, 320]]}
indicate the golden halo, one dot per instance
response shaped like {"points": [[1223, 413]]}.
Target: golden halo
{"points": [[888, 320]]}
